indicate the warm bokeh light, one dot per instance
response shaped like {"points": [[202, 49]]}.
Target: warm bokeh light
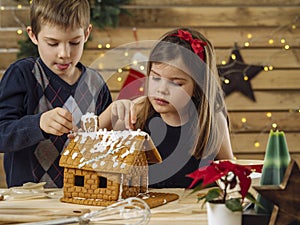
{"points": [[269, 114]]}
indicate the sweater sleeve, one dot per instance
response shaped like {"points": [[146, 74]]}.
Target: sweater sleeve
{"points": [[104, 99], [18, 128]]}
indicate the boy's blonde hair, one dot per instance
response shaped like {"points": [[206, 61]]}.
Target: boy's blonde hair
{"points": [[64, 13]]}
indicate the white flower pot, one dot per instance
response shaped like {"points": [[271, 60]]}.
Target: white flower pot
{"points": [[219, 214]]}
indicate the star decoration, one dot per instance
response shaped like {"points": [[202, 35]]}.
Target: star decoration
{"points": [[236, 75], [286, 197]]}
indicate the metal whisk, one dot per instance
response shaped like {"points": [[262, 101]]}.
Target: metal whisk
{"points": [[130, 211]]}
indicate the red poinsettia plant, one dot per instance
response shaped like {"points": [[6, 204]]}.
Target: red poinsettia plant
{"points": [[227, 175]]}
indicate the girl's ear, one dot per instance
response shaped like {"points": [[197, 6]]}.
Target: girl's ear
{"points": [[88, 32], [31, 35]]}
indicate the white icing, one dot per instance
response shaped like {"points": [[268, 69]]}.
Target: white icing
{"points": [[111, 143], [94, 166], [132, 148], [114, 159], [76, 138], [67, 152], [83, 150], [125, 154], [121, 186], [88, 118], [74, 155]]}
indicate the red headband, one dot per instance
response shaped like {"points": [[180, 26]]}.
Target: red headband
{"points": [[196, 44]]}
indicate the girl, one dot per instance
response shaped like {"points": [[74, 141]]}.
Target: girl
{"points": [[184, 111]]}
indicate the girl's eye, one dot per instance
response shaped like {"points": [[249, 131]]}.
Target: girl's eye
{"points": [[175, 84], [155, 78]]}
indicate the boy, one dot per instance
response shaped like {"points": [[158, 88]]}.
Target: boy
{"points": [[42, 100]]}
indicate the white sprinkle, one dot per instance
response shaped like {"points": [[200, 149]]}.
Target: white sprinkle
{"points": [[74, 155], [67, 152]]}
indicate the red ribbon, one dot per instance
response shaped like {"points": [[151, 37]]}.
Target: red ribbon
{"points": [[196, 44]]}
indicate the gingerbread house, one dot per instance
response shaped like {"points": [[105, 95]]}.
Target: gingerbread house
{"points": [[102, 167]]}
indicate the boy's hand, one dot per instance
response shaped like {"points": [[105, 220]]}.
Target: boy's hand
{"points": [[57, 121]]}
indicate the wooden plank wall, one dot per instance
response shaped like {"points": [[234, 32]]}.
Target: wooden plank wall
{"points": [[224, 23]]}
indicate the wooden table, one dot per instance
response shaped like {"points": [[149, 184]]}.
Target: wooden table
{"points": [[185, 210]]}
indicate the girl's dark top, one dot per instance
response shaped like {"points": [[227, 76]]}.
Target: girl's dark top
{"points": [[174, 145], [27, 89]]}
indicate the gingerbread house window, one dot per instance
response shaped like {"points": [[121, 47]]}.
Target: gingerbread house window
{"points": [[102, 182], [79, 181], [130, 182]]}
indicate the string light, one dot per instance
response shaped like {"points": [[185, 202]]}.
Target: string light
{"points": [[120, 70], [107, 45], [19, 32], [100, 46], [268, 115]]}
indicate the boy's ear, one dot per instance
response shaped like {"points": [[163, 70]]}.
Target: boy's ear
{"points": [[88, 32], [32, 35]]}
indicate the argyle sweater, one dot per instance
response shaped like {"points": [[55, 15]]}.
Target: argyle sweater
{"points": [[27, 89]]}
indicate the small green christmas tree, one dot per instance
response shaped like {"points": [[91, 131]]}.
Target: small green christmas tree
{"points": [[277, 159]]}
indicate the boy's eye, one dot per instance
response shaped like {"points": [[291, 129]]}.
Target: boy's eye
{"points": [[74, 43], [52, 44]]}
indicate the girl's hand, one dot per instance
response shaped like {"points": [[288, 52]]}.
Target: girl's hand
{"points": [[125, 111], [57, 121]]}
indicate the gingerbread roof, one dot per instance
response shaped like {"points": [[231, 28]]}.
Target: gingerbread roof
{"points": [[108, 151]]}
